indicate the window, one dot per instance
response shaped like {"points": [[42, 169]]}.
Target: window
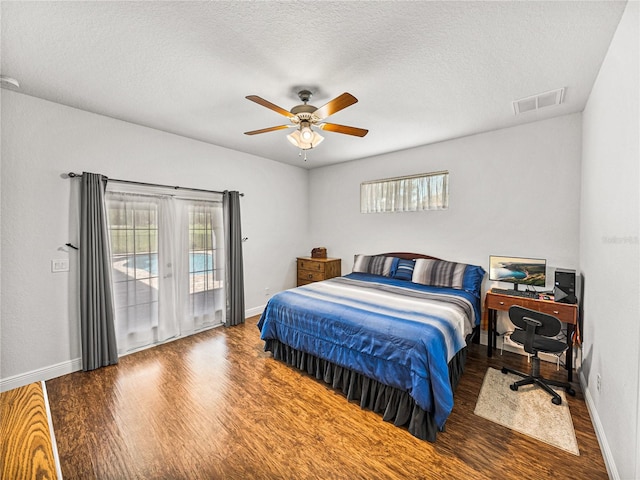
{"points": [[428, 191]]}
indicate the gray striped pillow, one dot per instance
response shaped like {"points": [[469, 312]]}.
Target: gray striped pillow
{"points": [[374, 264], [439, 273]]}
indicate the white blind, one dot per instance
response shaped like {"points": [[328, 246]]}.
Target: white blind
{"points": [[429, 191]]}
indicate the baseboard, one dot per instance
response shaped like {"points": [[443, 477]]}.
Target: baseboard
{"points": [[42, 374], [597, 426], [252, 312]]}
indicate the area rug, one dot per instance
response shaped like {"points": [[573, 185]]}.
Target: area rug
{"points": [[528, 411]]}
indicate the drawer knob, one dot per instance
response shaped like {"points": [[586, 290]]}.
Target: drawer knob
{"points": [[311, 275], [501, 303], [556, 312]]}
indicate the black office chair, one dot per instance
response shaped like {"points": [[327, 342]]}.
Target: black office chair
{"points": [[533, 331]]}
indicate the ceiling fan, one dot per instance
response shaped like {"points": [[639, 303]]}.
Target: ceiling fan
{"points": [[305, 116]]}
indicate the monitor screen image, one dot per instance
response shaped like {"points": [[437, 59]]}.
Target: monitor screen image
{"points": [[518, 270]]}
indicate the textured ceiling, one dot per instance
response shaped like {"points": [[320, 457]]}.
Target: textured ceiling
{"points": [[423, 72]]}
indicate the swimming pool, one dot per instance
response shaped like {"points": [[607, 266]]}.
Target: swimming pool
{"points": [[198, 262]]}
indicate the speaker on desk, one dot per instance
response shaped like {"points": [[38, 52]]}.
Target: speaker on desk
{"points": [[564, 290]]}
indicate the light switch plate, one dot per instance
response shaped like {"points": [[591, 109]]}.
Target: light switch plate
{"points": [[60, 265]]}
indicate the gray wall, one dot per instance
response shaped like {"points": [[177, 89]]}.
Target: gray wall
{"points": [[40, 141], [609, 249], [506, 188]]}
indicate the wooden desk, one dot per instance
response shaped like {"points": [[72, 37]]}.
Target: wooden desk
{"points": [[565, 312]]}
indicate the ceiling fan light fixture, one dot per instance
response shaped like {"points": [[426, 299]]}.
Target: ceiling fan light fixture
{"points": [[317, 139], [297, 140], [306, 134], [294, 138]]}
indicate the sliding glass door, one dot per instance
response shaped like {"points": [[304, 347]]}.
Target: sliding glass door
{"points": [[168, 266], [134, 251], [206, 303]]}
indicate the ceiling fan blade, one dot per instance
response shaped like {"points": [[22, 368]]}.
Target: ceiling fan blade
{"points": [[269, 129], [335, 105], [272, 106], [333, 127]]}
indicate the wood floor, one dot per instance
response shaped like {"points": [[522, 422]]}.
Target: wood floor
{"points": [[216, 406], [26, 446]]}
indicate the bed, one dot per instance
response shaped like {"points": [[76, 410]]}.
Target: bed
{"points": [[391, 335]]}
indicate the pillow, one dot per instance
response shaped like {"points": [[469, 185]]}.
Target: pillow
{"points": [[404, 269], [375, 264], [440, 273], [473, 277]]}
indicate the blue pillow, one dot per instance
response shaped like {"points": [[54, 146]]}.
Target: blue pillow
{"points": [[472, 281], [404, 269]]}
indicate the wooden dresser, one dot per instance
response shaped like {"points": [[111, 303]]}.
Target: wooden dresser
{"points": [[315, 269]]}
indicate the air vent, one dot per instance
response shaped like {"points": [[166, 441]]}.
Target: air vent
{"points": [[536, 102]]}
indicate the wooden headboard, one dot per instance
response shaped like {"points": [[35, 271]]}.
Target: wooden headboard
{"points": [[409, 256]]}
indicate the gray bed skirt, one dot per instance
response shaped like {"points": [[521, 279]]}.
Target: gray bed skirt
{"points": [[395, 405]]}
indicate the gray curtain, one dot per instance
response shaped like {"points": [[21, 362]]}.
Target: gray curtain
{"points": [[97, 328], [233, 248]]}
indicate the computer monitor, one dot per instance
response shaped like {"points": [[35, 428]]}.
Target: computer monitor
{"points": [[518, 270]]}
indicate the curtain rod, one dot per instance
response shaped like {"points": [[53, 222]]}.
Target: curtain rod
{"points": [[132, 182]]}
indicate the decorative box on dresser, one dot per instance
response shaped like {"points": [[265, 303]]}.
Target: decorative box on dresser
{"points": [[316, 269]]}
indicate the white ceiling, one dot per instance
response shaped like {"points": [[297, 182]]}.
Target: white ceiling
{"points": [[423, 72]]}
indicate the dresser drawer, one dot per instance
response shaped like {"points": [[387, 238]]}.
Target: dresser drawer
{"points": [[310, 276], [313, 265]]}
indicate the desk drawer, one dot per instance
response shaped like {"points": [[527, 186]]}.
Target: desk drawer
{"points": [[503, 302], [564, 312]]}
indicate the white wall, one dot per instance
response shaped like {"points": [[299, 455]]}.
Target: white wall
{"points": [[609, 250], [42, 140], [512, 192]]}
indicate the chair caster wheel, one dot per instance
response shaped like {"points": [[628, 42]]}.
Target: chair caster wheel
{"points": [[513, 387], [571, 391], [556, 401], [504, 370]]}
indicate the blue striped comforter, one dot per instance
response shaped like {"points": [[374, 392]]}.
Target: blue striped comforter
{"points": [[399, 333]]}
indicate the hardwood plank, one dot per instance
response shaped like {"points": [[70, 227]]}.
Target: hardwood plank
{"points": [[215, 405], [26, 450]]}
